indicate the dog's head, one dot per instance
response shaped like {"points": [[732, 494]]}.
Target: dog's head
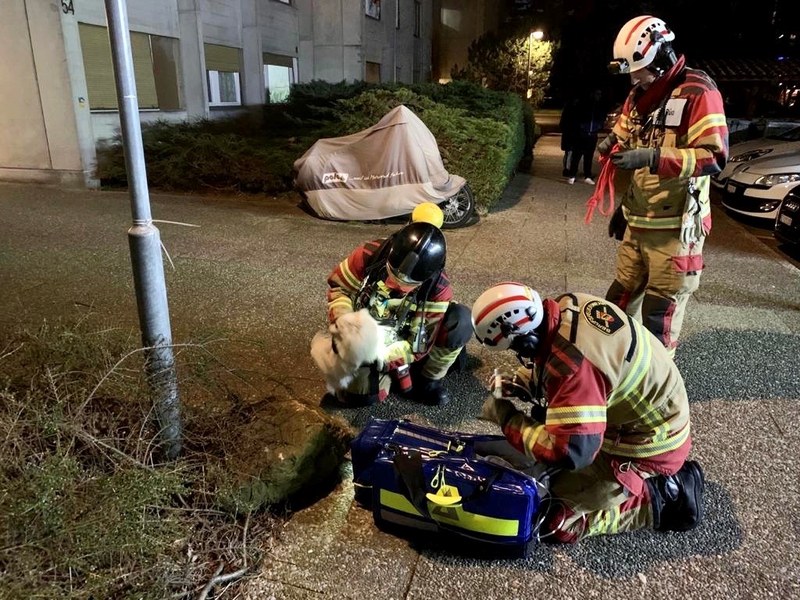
{"points": [[356, 338]]}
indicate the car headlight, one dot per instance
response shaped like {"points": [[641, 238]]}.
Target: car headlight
{"points": [[751, 155], [777, 179]]}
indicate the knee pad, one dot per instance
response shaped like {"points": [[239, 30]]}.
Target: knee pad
{"points": [[456, 327], [351, 399], [619, 295], [657, 314]]}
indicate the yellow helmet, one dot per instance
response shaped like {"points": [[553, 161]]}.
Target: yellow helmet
{"points": [[428, 212]]}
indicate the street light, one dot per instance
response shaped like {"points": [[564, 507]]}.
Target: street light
{"points": [[537, 35]]}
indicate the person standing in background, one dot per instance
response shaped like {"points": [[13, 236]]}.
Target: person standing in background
{"points": [[566, 126], [583, 121]]}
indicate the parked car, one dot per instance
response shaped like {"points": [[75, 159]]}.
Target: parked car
{"points": [[743, 152], [758, 187], [787, 225]]}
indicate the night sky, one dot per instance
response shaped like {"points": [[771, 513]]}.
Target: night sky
{"points": [[587, 28]]}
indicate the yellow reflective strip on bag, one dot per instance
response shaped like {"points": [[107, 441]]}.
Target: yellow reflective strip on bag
{"points": [[453, 516], [398, 502], [458, 517]]}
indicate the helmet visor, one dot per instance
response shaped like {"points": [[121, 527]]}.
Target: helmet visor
{"points": [[399, 281]]}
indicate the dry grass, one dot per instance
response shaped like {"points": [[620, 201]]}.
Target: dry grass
{"points": [[88, 511]]}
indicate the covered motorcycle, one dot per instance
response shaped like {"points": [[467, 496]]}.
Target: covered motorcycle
{"points": [[383, 171]]}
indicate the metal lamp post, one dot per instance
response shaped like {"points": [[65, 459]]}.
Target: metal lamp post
{"points": [[537, 35], [145, 242]]}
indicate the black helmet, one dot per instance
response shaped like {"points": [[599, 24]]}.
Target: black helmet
{"points": [[418, 252]]}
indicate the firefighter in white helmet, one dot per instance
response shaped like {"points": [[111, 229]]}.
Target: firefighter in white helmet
{"points": [[670, 138], [609, 410]]}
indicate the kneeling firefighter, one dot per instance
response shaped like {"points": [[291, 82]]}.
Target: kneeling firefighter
{"points": [[402, 282], [610, 411]]}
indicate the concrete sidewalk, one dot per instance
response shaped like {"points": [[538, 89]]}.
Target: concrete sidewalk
{"points": [[254, 273]]}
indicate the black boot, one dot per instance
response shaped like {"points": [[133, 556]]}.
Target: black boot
{"points": [[678, 499], [430, 391]]}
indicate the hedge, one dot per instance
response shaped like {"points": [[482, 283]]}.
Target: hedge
{"points": [[482, 136]]}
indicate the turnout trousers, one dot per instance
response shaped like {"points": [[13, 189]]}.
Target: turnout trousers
{"points": [[657, 273], [607, 497]]}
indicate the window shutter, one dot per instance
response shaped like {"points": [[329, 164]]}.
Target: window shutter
{"points": [[143, 70], [97, 66], [278, 60], [96, 49], [221, 58]]}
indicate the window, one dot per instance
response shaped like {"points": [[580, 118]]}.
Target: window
{"points": [[373, 74], [222, 72], [417, 18], [397, 14], [279, 75], [372, 8], [154, 67], [285, 1]]}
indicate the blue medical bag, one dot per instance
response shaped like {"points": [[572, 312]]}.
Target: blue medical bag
{"points": [[422, 479]]}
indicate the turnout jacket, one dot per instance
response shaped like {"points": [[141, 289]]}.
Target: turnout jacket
{"points": [[610, 387], [359, 281], [681, 115]]}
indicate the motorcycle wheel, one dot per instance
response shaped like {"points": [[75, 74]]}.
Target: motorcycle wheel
{"points": [[458, 209]]}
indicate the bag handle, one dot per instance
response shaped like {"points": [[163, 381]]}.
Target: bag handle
{"points": [[408, 464]]}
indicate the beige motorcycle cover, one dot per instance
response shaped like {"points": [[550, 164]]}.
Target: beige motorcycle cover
{"points": [[380, 172]]}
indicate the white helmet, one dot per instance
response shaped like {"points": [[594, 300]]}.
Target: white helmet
{"points": [[638, 43], [505, 311]]}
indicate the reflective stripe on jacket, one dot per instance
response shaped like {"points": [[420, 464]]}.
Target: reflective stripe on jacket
{"points": [[691, 133]]}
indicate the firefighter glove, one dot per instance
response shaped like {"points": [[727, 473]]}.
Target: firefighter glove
{"points": [[397, 354], [539, 412], [497, 410], [617, 224], [604, 147], [634, 159]]}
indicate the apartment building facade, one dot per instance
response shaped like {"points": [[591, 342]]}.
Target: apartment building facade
{"points": [[192, 59]]}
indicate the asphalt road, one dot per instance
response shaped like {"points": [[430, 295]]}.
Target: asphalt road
{"points": [[253, 273]]}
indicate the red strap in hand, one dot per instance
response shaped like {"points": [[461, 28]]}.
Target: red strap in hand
{"points": [[605, 184]]}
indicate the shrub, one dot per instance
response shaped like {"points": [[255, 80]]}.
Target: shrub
{"points": [[481, 135]]}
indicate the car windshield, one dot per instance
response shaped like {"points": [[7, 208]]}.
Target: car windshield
{"points": [[792, 135]]}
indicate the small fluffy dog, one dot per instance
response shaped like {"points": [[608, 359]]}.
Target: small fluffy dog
{"points": [[354, 340]]}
